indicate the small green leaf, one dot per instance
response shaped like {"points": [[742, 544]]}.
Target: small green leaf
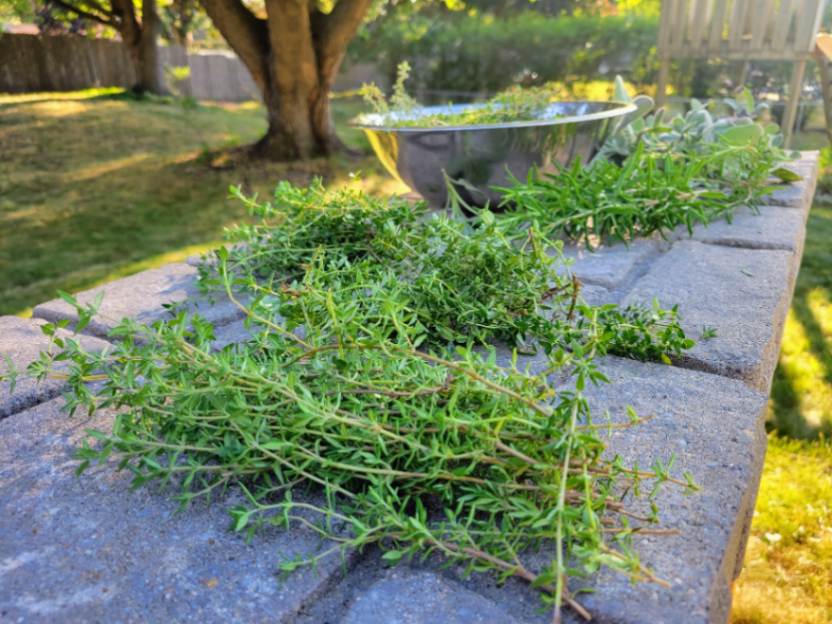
{"points": [[393, 556], [786, 175]]}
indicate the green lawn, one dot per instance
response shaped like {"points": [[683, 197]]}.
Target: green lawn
{"points": [[94, 186]]}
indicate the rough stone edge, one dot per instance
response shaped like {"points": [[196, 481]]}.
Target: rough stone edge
{"points": [[100, 329], [21, 400]]}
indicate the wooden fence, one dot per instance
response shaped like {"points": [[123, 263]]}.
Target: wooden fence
{"points": [[31, 63]]}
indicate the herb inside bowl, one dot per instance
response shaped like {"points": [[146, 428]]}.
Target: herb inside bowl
{"points": [[512, 105]]}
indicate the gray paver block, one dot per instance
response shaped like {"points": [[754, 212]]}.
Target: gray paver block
{"points": [[772, 228], [596, 295], [21, 340], [743, 293], [405, 596], [714, 427], [611, 265], [88, 549], [233, 333], [142, 297]]}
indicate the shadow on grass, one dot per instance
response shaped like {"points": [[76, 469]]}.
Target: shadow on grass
{"points": [[106, 186]]}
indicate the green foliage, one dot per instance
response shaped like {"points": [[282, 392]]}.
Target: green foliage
{"points": [[458, 284], [485, 55], [370, 375]]}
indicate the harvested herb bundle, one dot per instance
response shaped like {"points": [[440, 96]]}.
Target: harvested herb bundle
{"points": [[460, 283], [369, 377], [652, 177]]}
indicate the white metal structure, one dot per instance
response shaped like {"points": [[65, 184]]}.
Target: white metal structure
{"points": [[741, 30]]}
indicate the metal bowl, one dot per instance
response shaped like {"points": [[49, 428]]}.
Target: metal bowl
{"points": [[483, 156]]}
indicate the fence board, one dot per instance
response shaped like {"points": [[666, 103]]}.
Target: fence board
{"points": [[30, 63]]}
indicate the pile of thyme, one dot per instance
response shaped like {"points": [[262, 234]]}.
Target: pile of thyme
{"points": [[368, 404]]}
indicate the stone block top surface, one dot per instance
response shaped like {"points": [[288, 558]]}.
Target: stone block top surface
{"points": [[90, 549], [743, 294], [21, 340], [422, 597], [770, 228], [142, 297]]}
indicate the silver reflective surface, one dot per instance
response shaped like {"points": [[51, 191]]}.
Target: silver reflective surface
{"points": [[487, 155]]}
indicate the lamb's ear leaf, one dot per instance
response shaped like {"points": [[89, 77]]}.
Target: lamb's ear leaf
{"points": [[746, 134]]}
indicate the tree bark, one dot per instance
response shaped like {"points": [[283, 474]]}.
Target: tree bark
{"points": [[141, 39], [293, 55]]}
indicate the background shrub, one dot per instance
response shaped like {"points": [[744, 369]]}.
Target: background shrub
{"points": [[483, 54]]}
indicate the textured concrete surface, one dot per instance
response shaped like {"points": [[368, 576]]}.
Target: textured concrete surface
{"points": [[774, 227], [142, 297], [420, 597], [796, 194], [90, 549], [610, 266], [233, 333], [722, 443], [21, 340], [742, 293]]}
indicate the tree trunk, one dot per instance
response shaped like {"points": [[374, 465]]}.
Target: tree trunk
{"points": [[150, 76], [293, 56], [299, 127], [141, 40]]}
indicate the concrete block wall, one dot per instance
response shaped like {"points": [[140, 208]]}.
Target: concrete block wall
{"points": [[92, 550]]}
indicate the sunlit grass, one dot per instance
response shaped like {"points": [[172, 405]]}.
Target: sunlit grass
{"points": [[788, 564], [802, 403], [802, 392], [95, 185], [62, 96]]}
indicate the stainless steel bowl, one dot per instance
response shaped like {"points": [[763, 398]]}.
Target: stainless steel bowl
{"points": [[484, 156]]}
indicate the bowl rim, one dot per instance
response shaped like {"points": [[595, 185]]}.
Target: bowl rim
{"points": [[621, 109]]}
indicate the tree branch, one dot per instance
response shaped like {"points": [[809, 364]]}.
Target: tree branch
{"points": [[334, 31], [245, 33], [106, 21]]}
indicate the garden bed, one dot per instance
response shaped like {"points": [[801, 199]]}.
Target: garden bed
{"points": [[91, 549]]}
